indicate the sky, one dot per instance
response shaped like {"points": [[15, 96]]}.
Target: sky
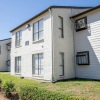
{"points": [[15, 12]]}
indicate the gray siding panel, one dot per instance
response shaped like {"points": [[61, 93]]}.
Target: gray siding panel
{"points": [[89, 40]]}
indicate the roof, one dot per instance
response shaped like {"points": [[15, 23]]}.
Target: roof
{"points": [[5, 39], [46, 11], [87, 11]]}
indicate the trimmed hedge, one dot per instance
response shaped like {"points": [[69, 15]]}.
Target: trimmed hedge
{"points": [[35, 93]]}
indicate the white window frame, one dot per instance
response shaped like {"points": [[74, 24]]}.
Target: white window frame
{"points": [[40, 67], [61, 27], [18, 65], [38, 32], [62, 62], [18, 41]]}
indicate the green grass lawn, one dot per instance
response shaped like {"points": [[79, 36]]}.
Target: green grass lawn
{"points": [[78, 88]]}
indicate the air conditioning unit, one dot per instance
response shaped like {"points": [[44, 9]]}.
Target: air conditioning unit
{"points": [[81, 24]]}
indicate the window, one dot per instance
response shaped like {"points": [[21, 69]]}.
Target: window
{"points": [[38, 64], [0, 49], [8, 63], [38, 30], [82, 58], [61, 27], [81, 24], [27, 43], [61, 64], [8, 46], [18, 38], [17, 65]]}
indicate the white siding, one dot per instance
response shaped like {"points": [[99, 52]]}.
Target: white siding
{"points": [[77, 11], [51, 39], [26, 52], [89, 40], [5, 55]]}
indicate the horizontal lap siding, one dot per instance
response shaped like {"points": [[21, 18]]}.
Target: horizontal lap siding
{"points": [[89, 40]]}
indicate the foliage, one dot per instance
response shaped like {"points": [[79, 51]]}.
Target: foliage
{"points": [[77, 88], [8, 87], [0, 81], [35, 93]]}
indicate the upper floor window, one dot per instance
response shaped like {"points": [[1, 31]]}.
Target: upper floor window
{"points": [[38, 30], [61, 27], [8, 46], [18, 38]]}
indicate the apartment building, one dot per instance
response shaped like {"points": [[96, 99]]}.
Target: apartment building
{"points": [[5, 50], [45, 47]]}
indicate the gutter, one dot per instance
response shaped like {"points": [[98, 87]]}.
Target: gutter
{"points": [[52, 80], [74, 44]]}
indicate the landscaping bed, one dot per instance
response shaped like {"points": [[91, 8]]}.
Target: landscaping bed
{"points": [[78, 89]]}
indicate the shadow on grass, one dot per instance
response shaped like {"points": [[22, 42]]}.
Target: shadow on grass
{"points": [[79, 80]]}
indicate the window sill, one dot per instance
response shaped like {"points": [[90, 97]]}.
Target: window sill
{"points": [[39, 76], [61, 38], [18, 46], [61, 76], [17, 73], [42, 40]]}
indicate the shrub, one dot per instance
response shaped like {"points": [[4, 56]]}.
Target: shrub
{"points": [[35, 93], [0, 84], [8, 88], [0, 81]]}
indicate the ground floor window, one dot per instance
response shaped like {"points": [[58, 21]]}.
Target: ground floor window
{"points": [[37, 61], [8, 62], [61, 64], [18, 65]]}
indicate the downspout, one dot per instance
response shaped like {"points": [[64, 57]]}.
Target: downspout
{"points": [[52, 80], [74, 44]]}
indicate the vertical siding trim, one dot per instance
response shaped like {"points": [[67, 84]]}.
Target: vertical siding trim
{"points": [[73, 27]]}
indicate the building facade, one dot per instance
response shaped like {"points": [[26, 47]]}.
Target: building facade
{"points": [[87, 44], [45, 46], [5, 50]]}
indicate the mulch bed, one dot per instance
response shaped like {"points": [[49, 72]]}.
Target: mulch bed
{"points": [[14, 96]]}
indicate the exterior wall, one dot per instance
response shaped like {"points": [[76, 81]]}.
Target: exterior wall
{"points": [[5, 55], [89, 40], [26, 52], [63, 45], [51, 39], [77, 11]]}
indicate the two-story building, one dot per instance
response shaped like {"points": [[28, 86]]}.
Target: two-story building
{"points": [[44, 47], [5, 50]]}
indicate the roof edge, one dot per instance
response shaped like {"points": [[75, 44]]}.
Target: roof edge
{"points": [[46, 11], [85, 12], [5, 39]]}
